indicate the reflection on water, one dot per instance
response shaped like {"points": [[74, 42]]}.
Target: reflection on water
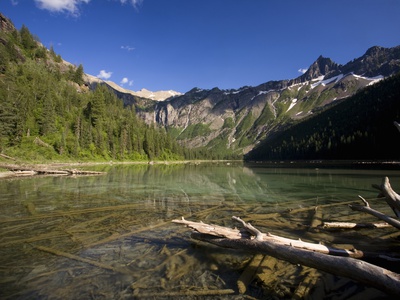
{"points": [[111, 237]]}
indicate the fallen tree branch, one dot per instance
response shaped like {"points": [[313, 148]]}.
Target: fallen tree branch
{"points": [[84, 260], [391, 197], [233, 234], [367, 209], [31, 170], [361, 271], [350, 225], [8, 157], [185, 293], [397, 125]]}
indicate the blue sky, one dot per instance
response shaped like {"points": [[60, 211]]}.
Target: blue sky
{"points": [[182, 44]]}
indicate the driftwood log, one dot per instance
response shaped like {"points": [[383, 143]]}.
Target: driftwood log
{"points": [[397, 125], [234, 234], [350, 225], [17, 170], [341, 262], [367, 209], [296, 252], [391, 197]]}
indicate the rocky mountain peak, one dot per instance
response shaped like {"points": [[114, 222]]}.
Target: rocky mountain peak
{"points": [[321, 67], [375, 50], [158, 95]]}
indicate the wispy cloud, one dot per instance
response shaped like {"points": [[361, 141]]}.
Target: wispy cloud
{"points": [[302, 71], [72, 6], [104, 74], [64, 6], [134, 3], [127, 48], [125, 80]]}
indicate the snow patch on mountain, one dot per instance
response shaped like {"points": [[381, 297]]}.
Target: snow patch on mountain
{"points": [[324, 82], [294, 101], [327, 81]]}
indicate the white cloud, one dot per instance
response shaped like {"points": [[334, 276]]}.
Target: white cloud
{"points": [[302, 71], [134, 3], [125, 80], [104, 75], [69, 6], [72, 6], [128, 48]]}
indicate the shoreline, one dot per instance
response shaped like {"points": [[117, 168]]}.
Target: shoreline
{"points": [[26, 169]]}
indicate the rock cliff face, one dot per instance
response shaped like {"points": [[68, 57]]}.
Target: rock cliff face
{"points": [[5, 24], [238, 119]]}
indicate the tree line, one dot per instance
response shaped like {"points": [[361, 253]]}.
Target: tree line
{"points": [[359, 127], [43, 98]]}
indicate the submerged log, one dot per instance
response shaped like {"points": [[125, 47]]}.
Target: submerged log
{"points": [[261, 243], [248, 274], [84, 260], [316, 220], [185, 293]]}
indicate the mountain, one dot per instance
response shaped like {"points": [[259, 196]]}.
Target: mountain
{"points": [[51, 111], [158, 95], [224, 123], [359, 128], [236, 120], [143, 93]]}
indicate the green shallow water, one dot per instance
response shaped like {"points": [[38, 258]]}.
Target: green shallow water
{"points": [[121, 221]]}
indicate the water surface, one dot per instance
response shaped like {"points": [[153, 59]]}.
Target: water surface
{"points": [[111, 236]]}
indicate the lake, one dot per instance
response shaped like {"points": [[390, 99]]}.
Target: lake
{"points": [[111, 236]]}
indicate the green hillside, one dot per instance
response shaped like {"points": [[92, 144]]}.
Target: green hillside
{"points": [[48, 113], [360, 127]]}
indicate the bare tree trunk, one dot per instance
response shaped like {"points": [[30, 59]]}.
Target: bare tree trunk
{"points": [[367, 209], [391, 197], [397, 125], [340, 262], [352, 268], [360, 271]]}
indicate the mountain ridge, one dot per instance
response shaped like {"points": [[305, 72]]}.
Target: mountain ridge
{"points": [[143, 93], [233, 121], [239, 118]]}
